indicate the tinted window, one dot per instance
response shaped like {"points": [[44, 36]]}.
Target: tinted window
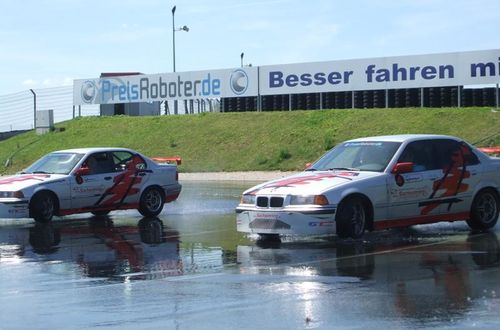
{"points": [[123, 159], [100, 162], [421, 154], [452, 152]]}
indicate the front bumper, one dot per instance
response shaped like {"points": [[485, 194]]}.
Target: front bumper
{"points": [[307, 221], [14, 209]]}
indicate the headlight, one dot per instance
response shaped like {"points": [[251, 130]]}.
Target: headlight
{"points": [[247, 199], [309, 200], [11, 194]]}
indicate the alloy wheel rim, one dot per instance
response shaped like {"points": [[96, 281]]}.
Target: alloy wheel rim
{"points": [[487, 208]]}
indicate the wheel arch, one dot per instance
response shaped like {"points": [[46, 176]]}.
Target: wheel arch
{"points": [[154, 186], [46, 191], [367, 204], [491, 188], [486, 185]]}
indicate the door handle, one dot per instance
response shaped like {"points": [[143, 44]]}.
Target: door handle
{"points": [[107, 178]]}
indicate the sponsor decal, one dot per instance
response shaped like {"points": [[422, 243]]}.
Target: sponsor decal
{"points": [[87, 190], [89, 91], [413, 178], [402, 194], [155, 88], [239, 82], [125, 184], [451, 182], [321, 223], [363, 144], [18, 210], [266, 216]]}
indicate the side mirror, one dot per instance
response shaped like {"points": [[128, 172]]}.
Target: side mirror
{"points": [[307, 166], [82, 171], [401, 168]]}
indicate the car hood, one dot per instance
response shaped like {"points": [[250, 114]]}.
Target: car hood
{"points": [[310, 183], [21, 181]]}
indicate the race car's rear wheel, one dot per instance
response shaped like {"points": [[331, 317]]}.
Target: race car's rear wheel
{"points": [[351, 218], [43, 207], [151, 202], [484, 210]]}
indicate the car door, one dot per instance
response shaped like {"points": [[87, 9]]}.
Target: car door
{"points": [[87, 190], [410, 194], [132, 174], [115, 179], [460, 174]]}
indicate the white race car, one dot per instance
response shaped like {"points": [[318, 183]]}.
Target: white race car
{"points": [[96, 180], [378, 183]]}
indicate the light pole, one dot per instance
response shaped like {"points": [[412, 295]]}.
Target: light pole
{"points": [[173, 34], [242, 54], [184, 28]]}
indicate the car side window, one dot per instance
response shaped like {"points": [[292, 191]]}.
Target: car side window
{"points": [[421, 154], [469, 156], [452, 152], [100, 162], [124, 159]]}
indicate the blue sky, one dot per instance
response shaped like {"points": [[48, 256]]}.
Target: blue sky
{"points": [[47, 43]]}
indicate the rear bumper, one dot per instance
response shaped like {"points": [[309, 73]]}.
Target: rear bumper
{"points": [[172, 192]]}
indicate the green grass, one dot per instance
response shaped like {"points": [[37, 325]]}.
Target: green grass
{"points": [[248, 141]]}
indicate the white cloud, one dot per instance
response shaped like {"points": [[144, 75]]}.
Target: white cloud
{"points": [[29, 83]]}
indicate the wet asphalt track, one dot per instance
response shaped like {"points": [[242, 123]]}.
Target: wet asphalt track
{"points": [[190, 269]]}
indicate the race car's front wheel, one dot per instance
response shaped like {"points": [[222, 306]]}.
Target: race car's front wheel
{"points": [[151, 202], [484, 210], [351, 218], [42, 207]]}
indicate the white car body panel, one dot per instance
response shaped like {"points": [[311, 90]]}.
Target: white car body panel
{"points": [[120, 189], [424, 196]]}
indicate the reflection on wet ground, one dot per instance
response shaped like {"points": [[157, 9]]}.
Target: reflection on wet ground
{"points": [[189, 268]]}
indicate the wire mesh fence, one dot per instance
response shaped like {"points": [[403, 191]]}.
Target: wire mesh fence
{"points": [[17, 110]]}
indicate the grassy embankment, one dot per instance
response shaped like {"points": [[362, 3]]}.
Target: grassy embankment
{"points": [[248, 141]]}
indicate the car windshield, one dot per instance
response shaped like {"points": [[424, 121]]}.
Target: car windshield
{"points": [[55, 163], [358, 156]]}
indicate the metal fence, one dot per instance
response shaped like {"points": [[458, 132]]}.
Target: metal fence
{"points": [[17, 110]]}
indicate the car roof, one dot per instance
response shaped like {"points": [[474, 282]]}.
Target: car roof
{"points": [[91, 150], [404, 138]]}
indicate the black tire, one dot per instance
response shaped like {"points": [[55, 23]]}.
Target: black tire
{"points": [[351, 218], [486, 247], [44, 238], [151, 202], [100, 213], [355, 259], [269, 237], [484, 210], [42, 207], [151, 231]]}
